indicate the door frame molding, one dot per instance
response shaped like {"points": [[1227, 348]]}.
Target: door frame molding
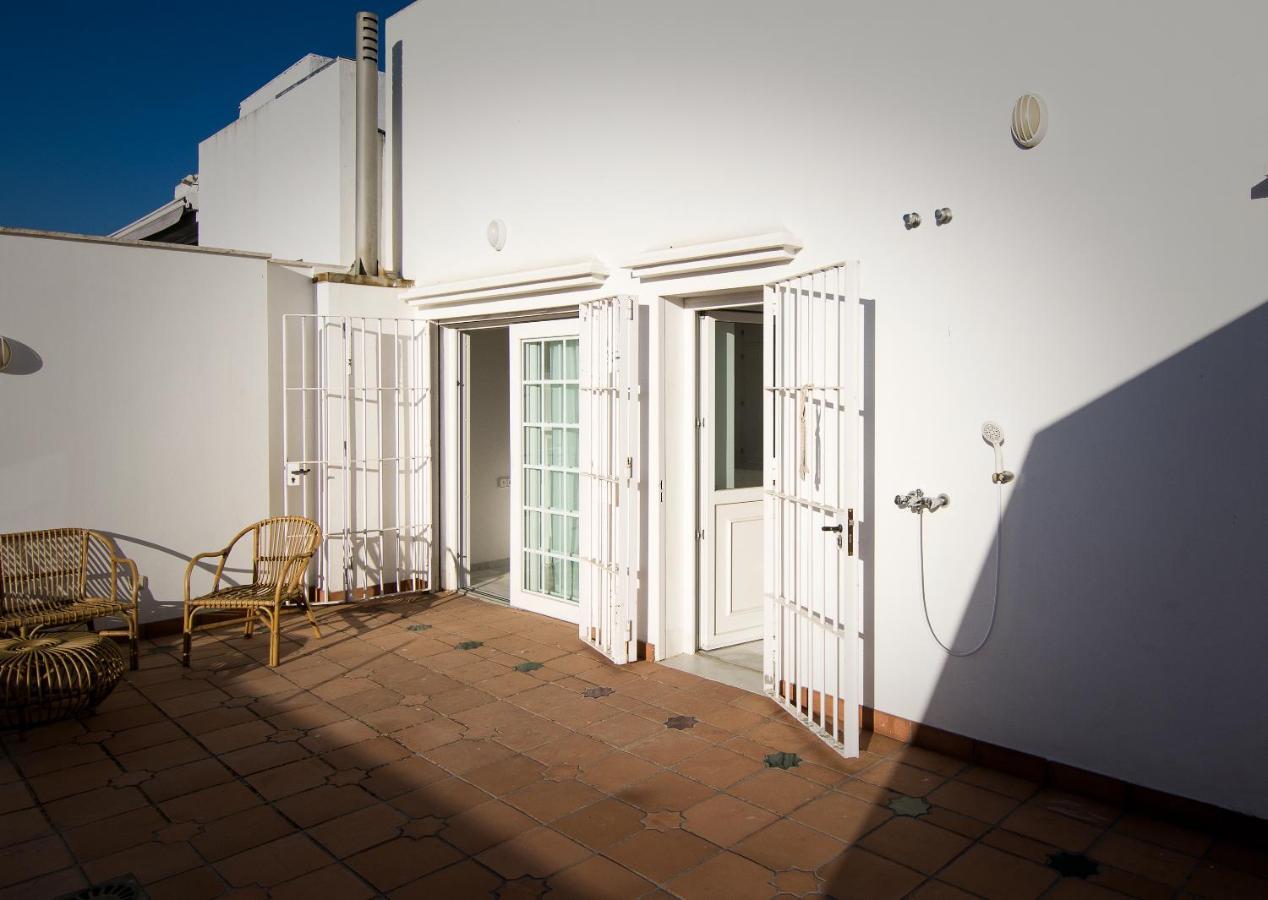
{"points": [[706, 549]]}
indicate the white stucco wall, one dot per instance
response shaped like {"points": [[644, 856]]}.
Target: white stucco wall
{"points": [[1077, 299], [148, 416], [280, 179]]}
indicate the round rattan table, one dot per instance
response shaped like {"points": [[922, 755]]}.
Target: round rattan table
{"points": [[55, 676]]}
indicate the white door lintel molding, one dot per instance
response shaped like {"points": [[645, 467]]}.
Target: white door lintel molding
{"points": [[774, 248], [557, 279]]}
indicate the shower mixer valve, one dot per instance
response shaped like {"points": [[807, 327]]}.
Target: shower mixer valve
{"points": [[917, 502]]}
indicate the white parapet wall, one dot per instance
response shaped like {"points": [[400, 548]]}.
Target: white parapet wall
{"points": [[1101, 296], [142, 407]]}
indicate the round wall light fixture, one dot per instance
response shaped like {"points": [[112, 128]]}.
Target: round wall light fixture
{"points": [[497, 234], [1030, 121]]}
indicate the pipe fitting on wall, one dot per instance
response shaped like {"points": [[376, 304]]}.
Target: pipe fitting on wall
{"points": [[911, 220], [942, 216]]}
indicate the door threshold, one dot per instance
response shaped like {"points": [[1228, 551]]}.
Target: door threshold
{"points": [[708, 666]]}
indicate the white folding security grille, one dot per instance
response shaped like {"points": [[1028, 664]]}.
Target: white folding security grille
{"points": [[356, 439], [610, 471], [812, 373]]}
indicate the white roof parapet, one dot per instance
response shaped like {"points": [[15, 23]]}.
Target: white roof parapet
{"points": [[557, 279], [773, 248]]}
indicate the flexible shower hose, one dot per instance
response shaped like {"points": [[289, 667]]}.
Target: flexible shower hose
{"points": [[999, 552]]}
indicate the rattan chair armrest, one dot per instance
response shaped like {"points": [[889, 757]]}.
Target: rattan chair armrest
{"points": [[193, 564], [284, 583], [136, 576]]}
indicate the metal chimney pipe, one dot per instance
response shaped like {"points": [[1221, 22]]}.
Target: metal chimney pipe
{"points": [[368, 147]]}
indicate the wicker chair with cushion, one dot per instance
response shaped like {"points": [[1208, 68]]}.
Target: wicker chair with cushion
{"points": [[280, 550], [65, 576]]}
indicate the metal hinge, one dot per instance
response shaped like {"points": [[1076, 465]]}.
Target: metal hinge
{"points": [[700, 534], [700, 422], [662, 490], [629, 630]]}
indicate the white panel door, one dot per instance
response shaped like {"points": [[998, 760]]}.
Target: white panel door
{"points": [[813, 466], [610, 473], [356, 443], [731, 496], [546, 485]]}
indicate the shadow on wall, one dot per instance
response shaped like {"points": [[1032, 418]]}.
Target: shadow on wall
{"points": [[1132, 612], [22, 359], [150, 606]]}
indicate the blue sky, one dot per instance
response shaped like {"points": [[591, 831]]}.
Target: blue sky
{"points": [[105, 102]]}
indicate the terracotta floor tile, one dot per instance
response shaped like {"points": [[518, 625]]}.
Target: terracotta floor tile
{"points": [[775, 789], [979, 803], [915, 844], [665, 790], [336, 735], [54, 759], [446, 797], [548, 800], [23, 862], [1043, 824], [902, 778], [430, 735], [22, 826], [539, 853], [211, 803], [148, 862], [594, 878], [235, 737], [366, 755], [718, 767], [997, 875], [113, 834], [1019, 845], [273, 863], [668, 748], [397, 718], [858, 873], [936, 890], [506, 775], [570, 750], [186, 779], [267, 755], [292, 778], [194, 884], [332, 881], [842, 817], [788, 845], [240, 831], [462, 879], [400, 861], [1149, 860], [660, 855], [724, 820], [615, 771], [466, 756], [601, 824], [725, 875], [1167, 834], [944, 765], [1217, 881], [54, 884], [999, 782], [867, 792], [67, 782], [485, 825], [356, 831], [402, 776], [319, 804], [623, 728]]}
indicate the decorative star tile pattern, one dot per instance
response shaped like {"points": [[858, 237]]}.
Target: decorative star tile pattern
{"points": [[418, 627], [680, 722], [663, 821], [908, 806], [528, 666], [595, 693], [124, 887], [1073, 865], [468, 645], [782, 760]]}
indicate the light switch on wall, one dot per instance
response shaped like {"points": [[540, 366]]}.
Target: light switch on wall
{"points": [[504, 481]]}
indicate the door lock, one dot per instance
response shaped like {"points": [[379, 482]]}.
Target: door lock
{"points": [[837, 528]]}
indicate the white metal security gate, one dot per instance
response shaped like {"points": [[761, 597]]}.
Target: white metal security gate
{"points": [[610, 472], [812, 373], [356, 439]]}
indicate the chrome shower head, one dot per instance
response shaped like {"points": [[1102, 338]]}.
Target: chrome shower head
{"points": [[992, 434]]}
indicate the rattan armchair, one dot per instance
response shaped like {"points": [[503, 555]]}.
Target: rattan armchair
{"points": [[65, 576], [280, 550]]}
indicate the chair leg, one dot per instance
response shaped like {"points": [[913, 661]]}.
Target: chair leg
{"points": [[133, 628], [248, 627], [275, 634], [185, 638], [308, 611]]}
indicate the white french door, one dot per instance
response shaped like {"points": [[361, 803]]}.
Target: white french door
{"points": [[546, 489], [813, 466], [731, 495], [610, 473]]}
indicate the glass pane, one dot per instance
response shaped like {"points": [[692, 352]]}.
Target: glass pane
{"points": [[532, 403], [533, 531], [554, 360], [532, 572], [555, 447], [574, 536], [737, 405], [574, 580], [550, 576], [571, 368], [570, 453], [572, 492], [555, 403], [532, 361], [558, 499], [558, 534], [532, 487], [532, 445], [571, 410]]}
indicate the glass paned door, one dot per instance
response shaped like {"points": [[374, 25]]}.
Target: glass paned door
{"points": [[546, 492]]}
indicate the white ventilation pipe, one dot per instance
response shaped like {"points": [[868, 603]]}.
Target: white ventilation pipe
{"points": [[368, 148]]}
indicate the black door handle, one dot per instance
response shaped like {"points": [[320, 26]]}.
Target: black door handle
{"points": [[837, 528]]}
